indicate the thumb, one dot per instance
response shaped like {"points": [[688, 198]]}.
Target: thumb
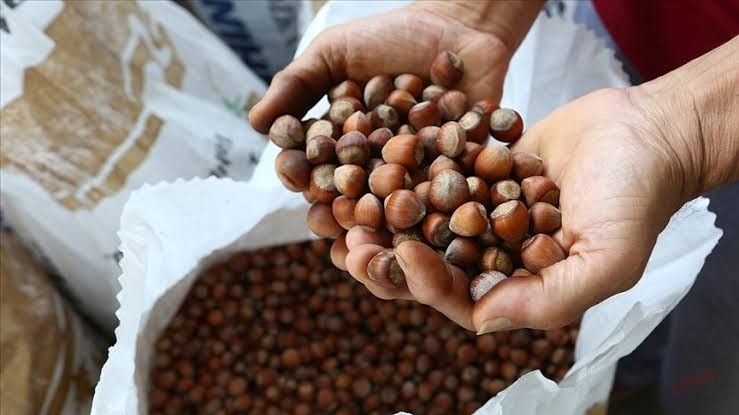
{"points": [[558, 295], [298, 87]]}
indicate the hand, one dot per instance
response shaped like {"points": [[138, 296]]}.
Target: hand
{"points": [[619, 185], [402, 41]]}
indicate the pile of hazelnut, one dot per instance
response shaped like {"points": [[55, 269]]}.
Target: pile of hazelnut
{"points": [[413, 159], [282, 331]]}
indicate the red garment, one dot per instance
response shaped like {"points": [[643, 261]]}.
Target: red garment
{"points": [[657, 36]]}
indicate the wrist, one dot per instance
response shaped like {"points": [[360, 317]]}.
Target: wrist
{"points": [[507, 20], [693, 117]]}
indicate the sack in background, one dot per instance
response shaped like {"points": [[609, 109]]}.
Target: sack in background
{"points": [[50, 359], [162, 257], [96, 99]]}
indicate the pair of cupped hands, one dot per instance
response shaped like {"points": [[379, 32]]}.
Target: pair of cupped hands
{"points": [[619, 182]]}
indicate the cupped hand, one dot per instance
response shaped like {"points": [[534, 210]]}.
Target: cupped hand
{"points": [[619, 184], [400, 41]]}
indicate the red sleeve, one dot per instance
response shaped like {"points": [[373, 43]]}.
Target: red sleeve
{"points": [[657, 36]]}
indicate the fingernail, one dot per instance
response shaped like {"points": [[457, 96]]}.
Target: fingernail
{"points": [[400, 259], [496, 324]]}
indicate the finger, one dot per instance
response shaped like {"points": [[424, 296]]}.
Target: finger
{"points": [[558, 295], [298, 87], [431, 281], [356, 264], [339, 251], [359, 236]]}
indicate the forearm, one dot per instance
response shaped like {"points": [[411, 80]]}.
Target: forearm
{"points": [[695, 110], [509, 20]]}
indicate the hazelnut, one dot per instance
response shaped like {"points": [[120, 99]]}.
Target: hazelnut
{"points": [[478, 190], [424, 114], [521, 272], [470, 219], [293, 170], [405, 149], [504, 191], [377, 90], [350, 180], [309, 196], [467, 159], [342, 108], [436, 229], [339, 251], [347, 88], [384, 116], [383, 268], [402, 101], [353, 148], [320, 150], [540, 189], [494, 163], [422, 191], [485, 107], [358, 121], [442, 163], [433, 92], [451, 139], [413, 234], [419, 176], [409, 82], [474, 126], [322, 183], [287, 132], [449, 190], [510, 220], [377, 140], [343, 209], [322, 127], [452, 105], [405, 129], [403, 209], [544, 218], [514, 245], [446, 69], [488, 238], [506, 125], [526, 165], [484, 282], [321, 221], [388, 178], [496, 259], [373, 164], [462, 252], [541, 251], [369, 213], [428, 135]]}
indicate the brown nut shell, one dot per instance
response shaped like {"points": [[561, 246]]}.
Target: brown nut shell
{"points": [[494, 163], [540, 189], [452, 105], [447, 69], [358, 121], [442, 163], [405, 129], [402, 101], [403, 209], [321, 150], [377, 140], [321, 221], [544, 218], [468, 157], [385, 116], [432, 93], [287, 132], [322, 127], [451, 139], [409, 82], [353, 148], [506, 125], [404, 149], [478, 190], [474, 126], [448, 191], [526, 165], [368, 213], [293, 170], [541, 251], [350, 180], [384, 269], [470, 220], [496, 259], [322, 183], [436, 229], [462, 252], [412, 234], [346, 88], [424, 114], [510, 220], [343, 209], [377, 90], [339, 251], [422, 191], [342, 108], [504, 191], [388, 178], [428, 135]]}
